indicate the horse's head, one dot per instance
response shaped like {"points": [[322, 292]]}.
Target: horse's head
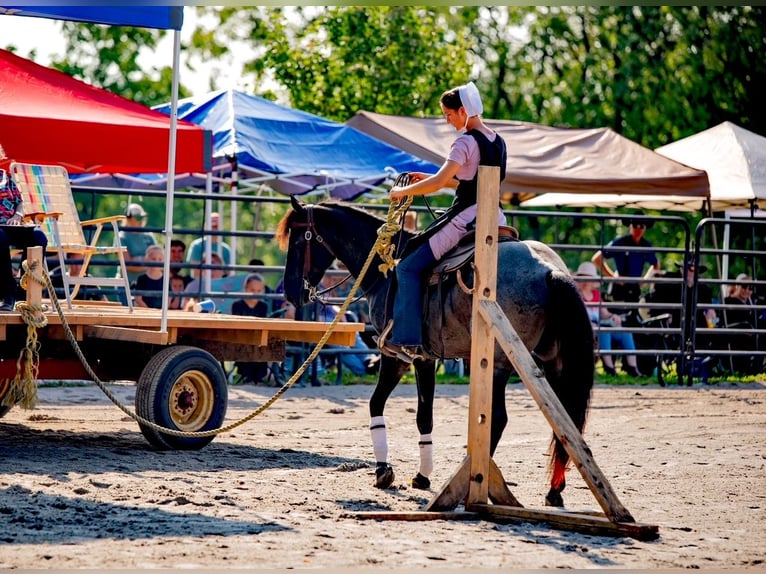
{"points": [[308, 256]]}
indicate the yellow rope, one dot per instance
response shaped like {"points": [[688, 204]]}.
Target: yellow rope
{"points": [[391, 227]]}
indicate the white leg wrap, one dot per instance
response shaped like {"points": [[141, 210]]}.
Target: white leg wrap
{"points": [[426, 455], [379, 438]]}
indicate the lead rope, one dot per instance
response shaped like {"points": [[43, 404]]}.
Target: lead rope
{"points": [[395, 213]]}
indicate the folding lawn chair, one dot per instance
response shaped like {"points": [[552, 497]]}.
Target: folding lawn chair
{"points": [[48, 201]]}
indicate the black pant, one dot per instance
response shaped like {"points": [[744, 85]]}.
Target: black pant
{"points": [[21, 236]]}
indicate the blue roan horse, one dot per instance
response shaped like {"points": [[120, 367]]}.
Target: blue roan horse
{"points": [[534, 289]]}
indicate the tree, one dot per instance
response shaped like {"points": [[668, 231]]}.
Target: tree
{"points": [[107, 57]]}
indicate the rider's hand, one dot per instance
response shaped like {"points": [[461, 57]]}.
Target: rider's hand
{"points": [[397, 193]]}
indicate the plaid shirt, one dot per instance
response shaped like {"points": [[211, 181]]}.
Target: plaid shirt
{"points": [[10, 197]]}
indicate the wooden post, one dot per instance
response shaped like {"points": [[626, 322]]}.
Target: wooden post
{"points": [[478, 478], [483, 342], [34, 289]]}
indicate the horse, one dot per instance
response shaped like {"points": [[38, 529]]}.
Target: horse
{"points": [[534, 289]]}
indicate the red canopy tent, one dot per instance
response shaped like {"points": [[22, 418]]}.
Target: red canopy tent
{"points": [[51, 118]]}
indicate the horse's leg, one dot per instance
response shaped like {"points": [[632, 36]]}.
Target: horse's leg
{"points": [[425, 377], [389, 375]]}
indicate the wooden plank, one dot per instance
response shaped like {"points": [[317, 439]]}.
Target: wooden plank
{"points": [[128, 334], [554, 412], [455, 490], [415, 516], [564, 520], [482, 341], [499, 493]]}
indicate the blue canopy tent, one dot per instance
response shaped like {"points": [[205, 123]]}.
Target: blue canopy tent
{"points": [[160, 17], [257, 142]]}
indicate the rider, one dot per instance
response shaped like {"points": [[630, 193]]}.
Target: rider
{"points": [[479, 144]]}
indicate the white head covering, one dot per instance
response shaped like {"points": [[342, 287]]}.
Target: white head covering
{"points": [[471, 99]]}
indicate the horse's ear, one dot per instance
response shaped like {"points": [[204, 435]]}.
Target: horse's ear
{"points": [[297, 204]]}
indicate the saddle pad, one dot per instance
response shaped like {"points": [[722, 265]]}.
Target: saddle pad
{"points": [[463, 252]]}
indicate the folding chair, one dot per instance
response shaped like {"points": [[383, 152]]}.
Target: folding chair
{"points": [[48, 201]]}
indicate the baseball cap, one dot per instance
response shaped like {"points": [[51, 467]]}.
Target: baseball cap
{"points": [[135, 210]]}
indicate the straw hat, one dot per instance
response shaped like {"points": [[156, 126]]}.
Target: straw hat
{"points": [[586, 269]]}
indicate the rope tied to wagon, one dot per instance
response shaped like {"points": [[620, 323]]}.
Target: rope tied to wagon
{"points": [[31, 315], [23, 388]]}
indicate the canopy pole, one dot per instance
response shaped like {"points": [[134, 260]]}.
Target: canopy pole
{"points": [[171, 179]]}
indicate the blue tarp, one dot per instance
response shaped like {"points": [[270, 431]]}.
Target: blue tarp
{"points": [[162, 17], [306, 151]]}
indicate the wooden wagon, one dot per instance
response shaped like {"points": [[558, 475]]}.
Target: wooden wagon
{"points": [[181, 384]]}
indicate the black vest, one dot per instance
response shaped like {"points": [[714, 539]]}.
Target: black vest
{"points": [[490, 153]]}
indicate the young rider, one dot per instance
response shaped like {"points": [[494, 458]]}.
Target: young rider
{"points": [[479, 145]]}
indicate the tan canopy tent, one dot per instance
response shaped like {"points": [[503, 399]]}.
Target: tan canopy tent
{"points": [[544, 159], [733, 157]]}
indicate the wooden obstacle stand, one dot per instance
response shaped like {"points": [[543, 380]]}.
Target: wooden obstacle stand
{"points": [[478, 479]]}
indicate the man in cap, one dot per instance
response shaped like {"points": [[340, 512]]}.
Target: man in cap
{"points": [[631, 254], [135, 240]]}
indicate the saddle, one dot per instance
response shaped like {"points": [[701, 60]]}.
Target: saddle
{"points": [[462, 253]]}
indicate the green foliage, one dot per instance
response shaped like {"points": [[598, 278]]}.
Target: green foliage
{"points": [[109, 57]]}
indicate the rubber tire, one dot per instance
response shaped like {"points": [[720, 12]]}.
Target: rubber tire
{"points": [[181, 372]]}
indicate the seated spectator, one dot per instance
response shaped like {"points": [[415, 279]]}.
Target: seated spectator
{"points": [[667, 292], [358, 363], [252, 372], [13, 232], [85, 292], [217, 246], [136, 242], [176, 287], [588, 286], [151, 279], [193, 290], [177, 258], [741, 314]]}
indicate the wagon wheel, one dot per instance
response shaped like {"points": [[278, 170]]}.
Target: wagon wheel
{"points": [[181, 388]]}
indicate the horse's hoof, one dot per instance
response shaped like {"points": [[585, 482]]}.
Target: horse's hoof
{"points": [[554, 498], [384, 475], [421, 482]]}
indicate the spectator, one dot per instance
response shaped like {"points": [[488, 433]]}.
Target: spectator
{"points": [[666, 292], [178, 258], [628, 262], [252, 372], [741, 314], [217, 245], [193, 290], [85, 292], [358, 363], [175, 299], [588, 286], [152, 279], [13, 232], [136, 242]]}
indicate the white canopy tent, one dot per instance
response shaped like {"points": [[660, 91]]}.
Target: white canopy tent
{"points": [[733, 157]]}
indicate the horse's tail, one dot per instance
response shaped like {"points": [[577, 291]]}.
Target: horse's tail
{"points": [[571, 378]]}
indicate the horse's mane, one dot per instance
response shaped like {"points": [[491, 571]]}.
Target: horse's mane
{"points": [[282, 234]]}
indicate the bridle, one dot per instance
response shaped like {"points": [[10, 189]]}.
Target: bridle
{"points": [[310, 234]]}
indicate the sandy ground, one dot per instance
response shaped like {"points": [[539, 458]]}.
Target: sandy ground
{"points": [[80, 486]]}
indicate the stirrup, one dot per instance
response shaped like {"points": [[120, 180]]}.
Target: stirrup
{"points": [[384, 334]]}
